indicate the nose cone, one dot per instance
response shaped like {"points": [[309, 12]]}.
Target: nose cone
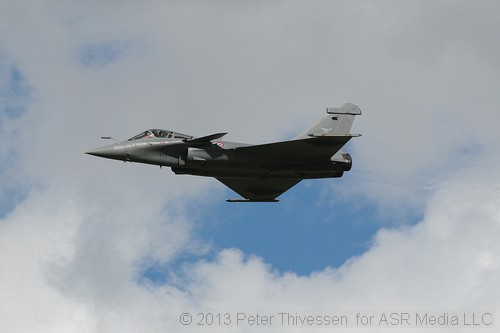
{"points": [[116, 152]]}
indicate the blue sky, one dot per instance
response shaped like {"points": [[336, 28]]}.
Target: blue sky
{"points": [[16, 95], [297, 235], [116, 247], [103, 54], [15, 98], [299, 240]]}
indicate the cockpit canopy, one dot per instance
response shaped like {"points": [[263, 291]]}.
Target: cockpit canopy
{"points": [[159, 133]]}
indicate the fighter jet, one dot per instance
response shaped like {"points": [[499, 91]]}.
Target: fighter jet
{"points": [[258, 173]]}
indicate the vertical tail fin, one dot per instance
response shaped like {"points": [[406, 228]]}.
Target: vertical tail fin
{"points": [[338, 122]]}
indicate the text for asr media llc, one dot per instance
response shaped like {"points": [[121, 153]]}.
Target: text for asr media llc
{"points": [[422, 319]]}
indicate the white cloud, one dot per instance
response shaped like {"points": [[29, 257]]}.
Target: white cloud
{"points": [[73, 251], [32, 237], [447, 262]]}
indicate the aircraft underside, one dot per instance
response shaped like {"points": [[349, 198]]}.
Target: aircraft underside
{"points": [[332, 171]]}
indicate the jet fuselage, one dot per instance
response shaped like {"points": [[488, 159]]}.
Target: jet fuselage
{"points": [[257, 172]]}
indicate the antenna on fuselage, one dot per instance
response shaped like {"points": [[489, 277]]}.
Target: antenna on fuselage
{"points": [[109, 138]]}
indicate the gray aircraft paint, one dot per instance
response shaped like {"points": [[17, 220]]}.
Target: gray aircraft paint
{"points": [[256, 172]]}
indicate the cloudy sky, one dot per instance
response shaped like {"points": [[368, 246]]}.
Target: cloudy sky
{"points": [[93, 245]]}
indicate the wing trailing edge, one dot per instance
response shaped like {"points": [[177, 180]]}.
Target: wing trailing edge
{"points": [[203, 140]]}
